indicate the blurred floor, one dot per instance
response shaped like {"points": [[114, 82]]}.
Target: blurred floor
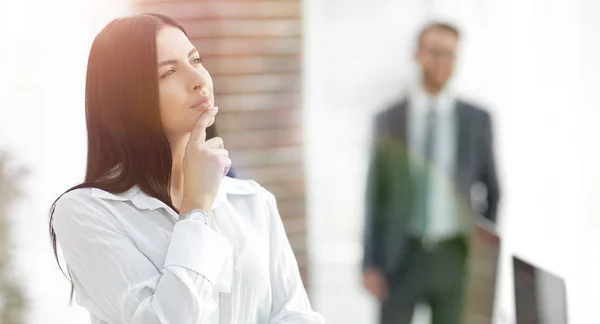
{"points": [[340, 297], [337, 293]]}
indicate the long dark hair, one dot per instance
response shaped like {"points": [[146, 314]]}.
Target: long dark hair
{"points": [[127, 145]]}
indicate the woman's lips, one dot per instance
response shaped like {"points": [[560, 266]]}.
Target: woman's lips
{"points": [[203, 103]]}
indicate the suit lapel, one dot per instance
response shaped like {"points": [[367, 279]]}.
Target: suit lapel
{"points": [[400, 206], [398, 122], [463, 140]]}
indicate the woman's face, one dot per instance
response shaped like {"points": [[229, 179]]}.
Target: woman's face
{"points": [[185, 87]]}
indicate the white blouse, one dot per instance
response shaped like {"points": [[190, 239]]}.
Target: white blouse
{"points": [[133, 262]]}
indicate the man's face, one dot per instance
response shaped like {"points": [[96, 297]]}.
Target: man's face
{"points": [[436, 56]]}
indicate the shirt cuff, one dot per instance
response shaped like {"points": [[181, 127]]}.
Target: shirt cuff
{"points": [[199, 248]]}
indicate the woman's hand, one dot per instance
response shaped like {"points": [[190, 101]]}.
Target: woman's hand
{"points": [[204, 165]]}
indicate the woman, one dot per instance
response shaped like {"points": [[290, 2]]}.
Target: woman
{"points": [[156, 233]]}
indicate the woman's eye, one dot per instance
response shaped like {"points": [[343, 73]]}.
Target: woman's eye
{"points": [[166, 74], [197, 60]]}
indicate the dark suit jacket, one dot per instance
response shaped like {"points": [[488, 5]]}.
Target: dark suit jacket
{"points": [[390, 190]]}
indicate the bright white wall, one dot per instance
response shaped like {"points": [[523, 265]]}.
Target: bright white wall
{"points": [[532, 67], [532, 63], [590, 117], [356, 61], [44, 55]]}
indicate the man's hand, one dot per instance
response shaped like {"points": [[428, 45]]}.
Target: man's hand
{"points": [[375, 283]]}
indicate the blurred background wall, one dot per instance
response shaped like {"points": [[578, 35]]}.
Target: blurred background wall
{"points": [[298, 83]]}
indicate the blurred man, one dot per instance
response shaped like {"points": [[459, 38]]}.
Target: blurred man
{"points": [[429, 151]]}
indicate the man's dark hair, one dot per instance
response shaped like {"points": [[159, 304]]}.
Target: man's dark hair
{"points": [[439, 26]]}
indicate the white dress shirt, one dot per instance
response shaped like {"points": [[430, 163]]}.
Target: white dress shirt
{"points": [[133, 262], [444, 221]]}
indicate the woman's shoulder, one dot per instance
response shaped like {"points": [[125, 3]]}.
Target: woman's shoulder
{"points": [[94, 196], [88, 203], [75, 197]]}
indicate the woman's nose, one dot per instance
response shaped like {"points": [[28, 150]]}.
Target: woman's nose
{"points": [[197, 81]]}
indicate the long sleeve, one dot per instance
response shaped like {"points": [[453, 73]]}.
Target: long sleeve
{"points": [[488, 175], [290, 303], [118, 284], [375, 196]]}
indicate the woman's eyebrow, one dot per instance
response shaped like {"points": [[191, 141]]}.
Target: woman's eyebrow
{"points": [[192, 51]]}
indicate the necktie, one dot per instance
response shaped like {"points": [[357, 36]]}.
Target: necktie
{"points": [[430, 130], [423, 182]]}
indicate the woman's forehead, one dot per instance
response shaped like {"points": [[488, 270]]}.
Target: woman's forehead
{"points": [[172, 43]]}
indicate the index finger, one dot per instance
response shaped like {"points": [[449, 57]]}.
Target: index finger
{"points": [[198, 134]]}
